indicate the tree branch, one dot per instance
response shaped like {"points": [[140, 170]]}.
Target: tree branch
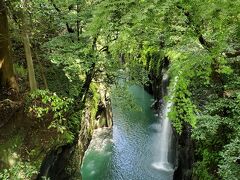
{"points": [[207, 45], [55, 6], [69, 29]]}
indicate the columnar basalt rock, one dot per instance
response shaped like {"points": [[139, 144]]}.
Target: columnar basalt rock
{"points": [[185, 158], [104, 113]]}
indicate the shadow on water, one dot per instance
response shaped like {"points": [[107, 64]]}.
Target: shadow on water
{"points": [[129, 152]]}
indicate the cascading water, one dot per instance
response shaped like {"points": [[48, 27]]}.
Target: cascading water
{"points": [[163, 162]]}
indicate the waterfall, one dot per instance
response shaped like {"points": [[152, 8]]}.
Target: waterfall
{"points": [[165, 136]]}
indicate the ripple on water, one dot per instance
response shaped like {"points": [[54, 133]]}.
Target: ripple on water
{"points": [[135, 139]]}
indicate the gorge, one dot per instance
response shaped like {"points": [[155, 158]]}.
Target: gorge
{"points": [[119, 89], [142, 144]]}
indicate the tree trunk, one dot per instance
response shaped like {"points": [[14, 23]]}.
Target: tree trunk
{"points": [[27, 48], [7, 78], [41, 69], [79, 28]]}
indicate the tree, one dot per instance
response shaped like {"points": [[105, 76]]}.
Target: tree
{"points": [[27, 47], [7, 78], [89, 41]]}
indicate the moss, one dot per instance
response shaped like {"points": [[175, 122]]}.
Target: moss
{"points": [[92, 103], [9, 150], [94, 100], [102, 122], [12, 142], [155, 62]]}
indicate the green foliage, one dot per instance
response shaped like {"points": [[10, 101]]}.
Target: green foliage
{"points": [[183, 109], [58, 82], [42, 103], [136, 36], [217, 134], [229, 163], [20, 71], [201, 168], [21, 170], [12, 143]]}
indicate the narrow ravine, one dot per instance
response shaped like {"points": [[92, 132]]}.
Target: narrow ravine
{"points": [[134, 148]]}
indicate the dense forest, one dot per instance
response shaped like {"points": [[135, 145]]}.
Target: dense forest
{"points": [[62, 63]]}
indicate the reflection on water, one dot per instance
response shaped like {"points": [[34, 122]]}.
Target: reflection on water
{"points": [[130, 154]]}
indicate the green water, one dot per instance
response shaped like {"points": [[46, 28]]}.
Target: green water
{"points": [[129, 152]]}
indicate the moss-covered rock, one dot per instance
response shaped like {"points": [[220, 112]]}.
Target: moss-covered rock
{"points": [[65, 161]]}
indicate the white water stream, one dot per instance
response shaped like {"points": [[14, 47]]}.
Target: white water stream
{"points": [[163, 162], [165, 135]]}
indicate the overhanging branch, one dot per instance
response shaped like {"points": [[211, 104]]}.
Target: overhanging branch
{"points": [[206, 44]]}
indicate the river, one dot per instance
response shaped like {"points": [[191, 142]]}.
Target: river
{"points": [[130, 150]]}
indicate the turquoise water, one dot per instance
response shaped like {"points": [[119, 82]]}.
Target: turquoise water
{"points": [[98, 158], [129, 152]]}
